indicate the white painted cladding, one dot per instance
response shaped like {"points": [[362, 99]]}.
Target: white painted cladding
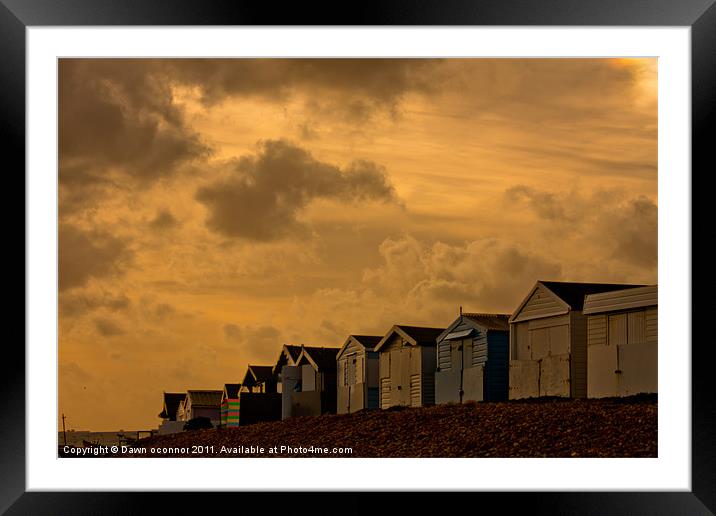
{"points": [[538, 338], [385, 394], [540, 303], [652, 324], [358, 377], [290, 377], [545, 332], [578, 354], [407, 374], [622, 342], [627, 299]]}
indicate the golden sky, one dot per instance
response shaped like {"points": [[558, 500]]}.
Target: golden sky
{"points": [[212, 210]]}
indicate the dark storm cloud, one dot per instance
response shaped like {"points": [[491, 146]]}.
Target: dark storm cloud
{"points": [[232, 333], [382, 81], [89, 254], [625, 229], [118, 119], [108, 328], [267, 191], [554, 87], [77, 303], [512, 269], [480, 272], [633, 231], [118, 116], [164, 220], [540, 89], [157, 312], [122, 115], [360, 85], [164, 310], [545, 204]]}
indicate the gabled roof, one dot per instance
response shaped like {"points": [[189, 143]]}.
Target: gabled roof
{"points": [[367, 342], [256, 374], [171, 404], [293, 351], [322, 359], [205, 398], [416, 335], [231, 390], [569, 295], [288, 356]]}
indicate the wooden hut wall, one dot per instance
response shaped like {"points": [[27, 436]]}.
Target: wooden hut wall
{"points": [[290, 377], [407, 374], [540, 364], [578, 354], [357, 379], [622, 343], [477, 364]]}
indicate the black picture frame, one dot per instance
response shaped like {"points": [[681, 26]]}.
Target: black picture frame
{"points": [[700, 15]]}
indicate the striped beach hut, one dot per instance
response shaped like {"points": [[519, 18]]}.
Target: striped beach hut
{"points": [[230, 404]]}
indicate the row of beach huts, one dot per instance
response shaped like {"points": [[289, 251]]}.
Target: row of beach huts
{"points": [[564, 339]]}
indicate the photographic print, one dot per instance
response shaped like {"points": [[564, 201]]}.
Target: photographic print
{"points": [[357, 257]]}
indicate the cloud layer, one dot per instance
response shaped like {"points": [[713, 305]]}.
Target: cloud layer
{"points": [[118, 127], [608, 223], [84, 255], [424, 283], [196, 236], [265, 194]]}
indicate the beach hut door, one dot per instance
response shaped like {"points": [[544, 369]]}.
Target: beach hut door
{"points": [[351, 377]]}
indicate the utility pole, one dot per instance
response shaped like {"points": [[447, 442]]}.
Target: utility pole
{"points": [[64, 433]]}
